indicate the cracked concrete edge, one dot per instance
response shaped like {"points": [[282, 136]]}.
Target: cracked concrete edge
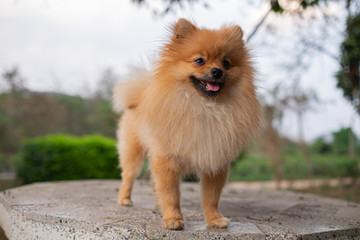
{"points": [[197, 230], [19, 226], [337, 234], [5, 216], [35, 227]]}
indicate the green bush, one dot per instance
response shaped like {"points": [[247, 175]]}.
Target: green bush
{"points": [[65, 157]]}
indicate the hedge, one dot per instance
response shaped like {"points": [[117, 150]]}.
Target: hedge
{"points": [[66, 157]]}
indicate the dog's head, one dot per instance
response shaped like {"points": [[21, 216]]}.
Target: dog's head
{"points": [[208, 60]]}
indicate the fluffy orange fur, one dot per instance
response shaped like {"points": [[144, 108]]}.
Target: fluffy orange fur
{"points": [[184, 129]]}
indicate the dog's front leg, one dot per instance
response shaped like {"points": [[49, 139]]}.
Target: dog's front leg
{"points": [[211, 187], [166, 177]]}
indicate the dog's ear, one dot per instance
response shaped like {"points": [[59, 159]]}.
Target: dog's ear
{"points": [[235, 32], [183, 28]]}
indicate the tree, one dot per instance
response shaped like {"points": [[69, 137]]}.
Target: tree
{"points": [[281, 7], [274, 108], [342, 141], [104, 118], [301, 101], [348, 76], [277, 102], [277, 6], [106, 83], [168, 5], [13, 81]]}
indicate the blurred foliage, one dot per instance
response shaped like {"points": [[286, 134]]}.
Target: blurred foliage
{"points": [[338, 143], [26, 114], [278, 6], [251, 168], [342, 141], [170, 6], [258, 167], [2, 162], [190, 178], [321, 145], [348, 76], [329, 157], [66, 157]]}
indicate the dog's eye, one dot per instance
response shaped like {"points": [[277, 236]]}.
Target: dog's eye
{"points": [[226, 64], [199, 61]]}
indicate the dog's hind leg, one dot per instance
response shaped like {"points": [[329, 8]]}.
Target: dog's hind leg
{"points": [[132, 156]]}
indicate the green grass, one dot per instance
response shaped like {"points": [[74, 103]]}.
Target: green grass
{"points": [[251, 168], [258, 167]]}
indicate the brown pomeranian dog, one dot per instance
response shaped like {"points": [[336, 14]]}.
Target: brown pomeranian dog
{"points": [[194, 114]]}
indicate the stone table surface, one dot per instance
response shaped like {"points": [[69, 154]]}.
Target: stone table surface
{"points": [[88, 210]]}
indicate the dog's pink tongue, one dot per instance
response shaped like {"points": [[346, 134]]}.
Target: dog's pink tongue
{"points": [[213, 86]]}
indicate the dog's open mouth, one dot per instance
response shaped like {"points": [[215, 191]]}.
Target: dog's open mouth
{"points": [[209, 88]]}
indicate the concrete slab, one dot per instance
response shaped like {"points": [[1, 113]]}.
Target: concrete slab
{"points": [[77, 210]]}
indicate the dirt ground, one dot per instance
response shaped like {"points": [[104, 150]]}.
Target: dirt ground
{"points": [[349, 192], [343, 188]]}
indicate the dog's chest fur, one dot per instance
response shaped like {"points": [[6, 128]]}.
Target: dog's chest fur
{"points": [[200, 133]]}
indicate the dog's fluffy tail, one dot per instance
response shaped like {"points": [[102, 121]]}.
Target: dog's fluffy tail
{"points": [[127, 94]]}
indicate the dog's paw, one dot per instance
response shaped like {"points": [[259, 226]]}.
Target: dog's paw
{"points": [[125, 202], [173, 224], [219, 223]]}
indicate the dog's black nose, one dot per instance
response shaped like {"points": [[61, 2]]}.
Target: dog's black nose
{"points": [[216, 73]]}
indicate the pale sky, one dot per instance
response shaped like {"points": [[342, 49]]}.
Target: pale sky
{"points": [[65, 45]]}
